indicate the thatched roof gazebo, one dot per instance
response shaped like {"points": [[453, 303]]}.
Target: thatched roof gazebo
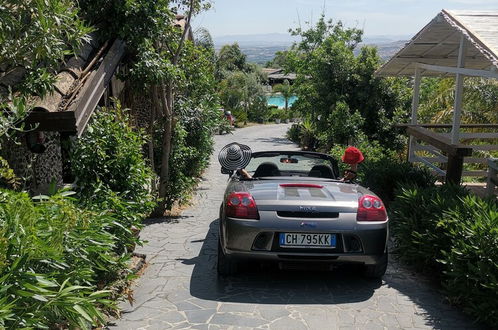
{"points": [[454, 44]]}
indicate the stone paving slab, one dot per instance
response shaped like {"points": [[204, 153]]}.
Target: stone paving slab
{"points": [[180, 289]]}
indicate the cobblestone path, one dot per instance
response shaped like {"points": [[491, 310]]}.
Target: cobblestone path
{"points": [[179, 289]]}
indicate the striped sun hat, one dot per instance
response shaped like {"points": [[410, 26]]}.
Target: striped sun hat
{"points": [[234, 156]]}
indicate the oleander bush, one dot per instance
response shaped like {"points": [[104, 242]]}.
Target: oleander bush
{"points": [[452, 235], [470, 275], [52, 258], [416, 223]]}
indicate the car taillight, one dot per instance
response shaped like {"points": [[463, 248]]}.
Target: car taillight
{"points": [[241, 205], [371, 208]]}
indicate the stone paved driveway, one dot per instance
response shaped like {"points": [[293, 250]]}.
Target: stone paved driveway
{"points": [[180, 289]]}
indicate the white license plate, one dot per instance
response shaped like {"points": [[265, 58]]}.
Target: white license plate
{"points": [[307, 240]]}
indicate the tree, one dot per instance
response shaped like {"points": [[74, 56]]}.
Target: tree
{"points": [[278, 61], [329, 74], [230, 59], [203, 39], [242, 93], [157, 47], [480, 100], [286, 91]]}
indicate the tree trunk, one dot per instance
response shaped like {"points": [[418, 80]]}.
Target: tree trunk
{"points": [[166, 98]]}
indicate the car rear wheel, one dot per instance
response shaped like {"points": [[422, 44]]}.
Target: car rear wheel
{"points": [[378, 270], [225, 266]]}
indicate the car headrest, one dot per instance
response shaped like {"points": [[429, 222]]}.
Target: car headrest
{"points": [[321, 171], [267, 169]]}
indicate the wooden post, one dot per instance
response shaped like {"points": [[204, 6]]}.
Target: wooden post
{"points": [[457, 108], [454, 169], [415, 104], [491, 182], [416, 95]]}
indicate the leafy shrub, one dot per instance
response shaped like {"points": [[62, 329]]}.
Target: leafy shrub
{"points": [[385, 175], [294, 133], [453, 235], [108, 158], [416, 222], [50, 270], [240, 117], [307, 135], [113, 175], [277, 113], [471, 262], [192, 148]]}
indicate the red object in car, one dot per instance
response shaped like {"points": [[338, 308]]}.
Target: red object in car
{"points": [[352, 156]]}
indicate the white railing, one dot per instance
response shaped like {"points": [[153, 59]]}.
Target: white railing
{"points": [[436, 159]]}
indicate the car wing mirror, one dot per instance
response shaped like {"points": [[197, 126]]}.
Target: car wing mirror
{"points": [[226, 171]]}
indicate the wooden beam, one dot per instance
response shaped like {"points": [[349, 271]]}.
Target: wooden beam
{"points": [[463, 71], [442, 42], [415, 104], [475, 173], [488, 126], [457, 108], [422, 160], [97, 84], [52, 121], [416, 95]]}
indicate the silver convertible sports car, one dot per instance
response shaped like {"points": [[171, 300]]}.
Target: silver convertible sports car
{"points": [[292, 207]]}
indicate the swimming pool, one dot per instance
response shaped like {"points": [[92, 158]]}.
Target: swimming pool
{"points": [[279, 101]]}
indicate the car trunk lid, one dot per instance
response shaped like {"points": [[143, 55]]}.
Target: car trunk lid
{"points": [[307, 198]]}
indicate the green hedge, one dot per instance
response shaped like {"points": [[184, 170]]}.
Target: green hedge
{"points": [[453, 235]]}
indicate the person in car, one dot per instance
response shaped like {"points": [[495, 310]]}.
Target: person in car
{"points": [[352, 156]]}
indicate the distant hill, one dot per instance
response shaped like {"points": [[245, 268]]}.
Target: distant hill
{"points": [[270, 39], [385, 50], [261, 48]]}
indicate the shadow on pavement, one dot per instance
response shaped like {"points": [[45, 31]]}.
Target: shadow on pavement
{"points": [[170, 219], [269, 285], [257, 285], [277, 141]]}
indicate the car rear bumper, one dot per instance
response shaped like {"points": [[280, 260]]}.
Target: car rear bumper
{"points": [[246, 239], [307, 257]]}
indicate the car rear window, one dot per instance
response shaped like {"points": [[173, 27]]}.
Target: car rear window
{"points": [[294, 164]]}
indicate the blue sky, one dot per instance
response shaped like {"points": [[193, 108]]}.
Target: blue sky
{"points": [[377, 17]]}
